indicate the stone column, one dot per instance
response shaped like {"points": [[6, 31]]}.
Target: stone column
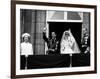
{"points": [[40, 23]]}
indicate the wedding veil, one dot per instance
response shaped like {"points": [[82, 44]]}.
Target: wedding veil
{"points": [[74, 46]]}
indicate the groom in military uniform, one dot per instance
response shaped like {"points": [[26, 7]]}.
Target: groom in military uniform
{"points": [[52, 43]]}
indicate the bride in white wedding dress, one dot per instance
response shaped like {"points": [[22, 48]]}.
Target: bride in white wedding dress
{"points": [[68, 43]]}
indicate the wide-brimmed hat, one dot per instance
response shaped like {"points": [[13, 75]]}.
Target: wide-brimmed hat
{"points": [[25, 34]]}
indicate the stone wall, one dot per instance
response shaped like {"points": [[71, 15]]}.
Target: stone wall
{"points": [[33, 22]]}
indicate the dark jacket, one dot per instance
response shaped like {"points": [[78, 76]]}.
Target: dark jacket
{"points": [[51, 43]]}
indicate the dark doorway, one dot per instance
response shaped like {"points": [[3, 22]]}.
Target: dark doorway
{"points": [[60, 27]]}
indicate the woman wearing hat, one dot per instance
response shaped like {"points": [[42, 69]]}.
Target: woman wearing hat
{"points": [[26, 47]]}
